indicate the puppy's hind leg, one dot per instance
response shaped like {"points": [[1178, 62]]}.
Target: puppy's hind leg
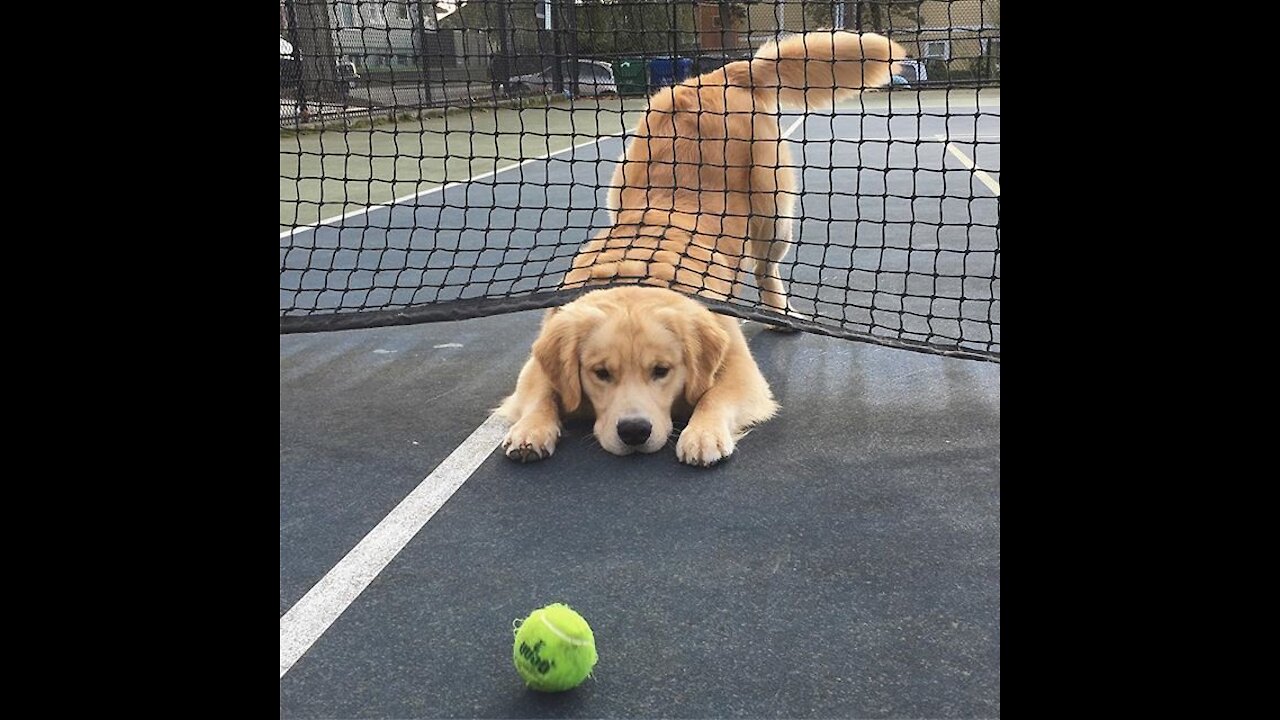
{"points": [[613, 198], [769, 244]]}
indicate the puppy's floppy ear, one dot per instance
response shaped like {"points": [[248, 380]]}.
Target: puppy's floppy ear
{"points": [[705, 345], [556, 350]]}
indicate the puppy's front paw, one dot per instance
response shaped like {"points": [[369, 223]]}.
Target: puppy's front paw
{"points": [[703, 446], [529, 441]]}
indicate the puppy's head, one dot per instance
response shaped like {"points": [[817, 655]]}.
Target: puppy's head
{"points": [[632, 352]]}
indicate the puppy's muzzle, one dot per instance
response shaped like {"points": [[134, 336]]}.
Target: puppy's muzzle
{"points": [[634, 431]]}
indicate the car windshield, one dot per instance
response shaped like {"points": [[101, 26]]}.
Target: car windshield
{"points": [[587, 72]]}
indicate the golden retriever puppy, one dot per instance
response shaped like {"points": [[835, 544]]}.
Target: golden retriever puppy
{"points": [[634, 357], [705, 189]]}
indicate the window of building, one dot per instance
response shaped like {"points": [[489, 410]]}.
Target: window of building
{"points": [[346, 15], [937, 49]]}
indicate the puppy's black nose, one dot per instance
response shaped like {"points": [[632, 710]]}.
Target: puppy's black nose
{"points": [[634, 431]]}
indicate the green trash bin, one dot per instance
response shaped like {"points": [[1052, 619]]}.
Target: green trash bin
{"points": [[629, 73]]}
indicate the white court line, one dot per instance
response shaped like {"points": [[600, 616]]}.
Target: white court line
{"points": [[982, 176], [308, 619], [799, 121], [407, 198]]}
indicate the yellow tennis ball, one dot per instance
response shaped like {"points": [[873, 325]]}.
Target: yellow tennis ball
{"points": [[554, 649]]}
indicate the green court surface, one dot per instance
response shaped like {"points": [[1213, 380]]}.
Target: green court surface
{"points": [[328, 173]]}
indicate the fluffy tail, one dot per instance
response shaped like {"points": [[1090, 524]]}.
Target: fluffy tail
{"points": [[817, 69]]}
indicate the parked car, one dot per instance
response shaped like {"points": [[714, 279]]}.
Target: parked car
{"points": [[347, 73], [594, 78]]}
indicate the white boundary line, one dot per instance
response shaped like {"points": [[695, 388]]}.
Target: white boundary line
{"points": [[981, 174], [311, 616], [407, 198], [522, 163]]}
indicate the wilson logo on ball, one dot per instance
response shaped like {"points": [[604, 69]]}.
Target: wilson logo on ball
{"points": [[531, 656]]}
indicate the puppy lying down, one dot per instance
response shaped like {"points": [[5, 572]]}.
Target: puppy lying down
{"points": [[634, 357], [703, 194]]}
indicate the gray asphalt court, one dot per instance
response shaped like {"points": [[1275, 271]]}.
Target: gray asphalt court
{"points": [[845, 562]]}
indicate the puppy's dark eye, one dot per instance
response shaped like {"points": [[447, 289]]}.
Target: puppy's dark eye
{"points": [[660, 372], [602, 373]]}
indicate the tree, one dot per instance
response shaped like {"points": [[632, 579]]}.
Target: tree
{"points": [[880, 16], [613, 27]]}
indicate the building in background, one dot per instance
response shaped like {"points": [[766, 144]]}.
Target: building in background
{"points": [[419, 53], [958, 40], [375, 36]]}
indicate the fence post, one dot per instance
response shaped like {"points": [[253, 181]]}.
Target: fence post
{"points": [[571, 25], [675, 50], [500, 66], [423, 63]]}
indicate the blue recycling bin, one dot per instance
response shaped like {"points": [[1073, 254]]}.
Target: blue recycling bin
{"points": [[684, 69], [664, 72], [661, 73]]}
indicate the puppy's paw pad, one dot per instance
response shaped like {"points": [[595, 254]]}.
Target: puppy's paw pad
{"points": [[703, 446], [526, 454], [525, 444]]}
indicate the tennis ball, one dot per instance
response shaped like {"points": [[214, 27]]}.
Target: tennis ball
{"points": [[554, 649]]}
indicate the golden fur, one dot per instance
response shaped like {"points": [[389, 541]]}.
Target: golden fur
{"points": [[704, 191], [706, 188], [597, 356]]}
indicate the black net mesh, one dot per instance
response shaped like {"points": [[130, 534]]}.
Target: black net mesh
{"points": [[454, 159]]}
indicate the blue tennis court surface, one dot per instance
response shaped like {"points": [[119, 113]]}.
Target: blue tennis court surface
{"points": [[845, 562]]}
